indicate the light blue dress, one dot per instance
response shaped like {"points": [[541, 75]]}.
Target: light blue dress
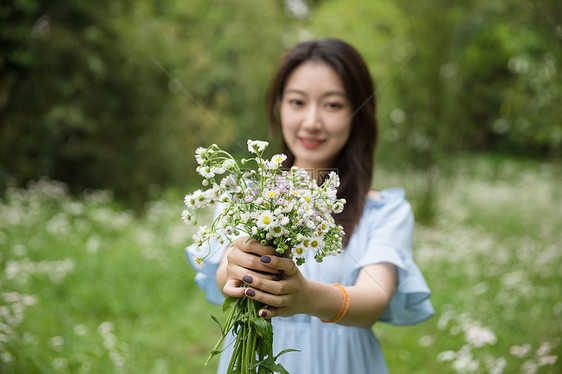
{"points": [[384, 234]]}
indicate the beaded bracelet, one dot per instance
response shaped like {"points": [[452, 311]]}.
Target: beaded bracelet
{"points": [[344, 304]]}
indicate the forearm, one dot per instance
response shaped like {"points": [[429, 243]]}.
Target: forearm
{"points": [[365, 304], [368, 298]]}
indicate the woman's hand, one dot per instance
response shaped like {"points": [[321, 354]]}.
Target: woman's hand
{"points": [[272, 280], [242, 263], [287, 294]]}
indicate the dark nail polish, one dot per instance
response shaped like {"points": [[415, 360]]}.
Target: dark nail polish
{"points": [[276, 279], [247, 279], [263, 313], [265, 259], [250, 292]]}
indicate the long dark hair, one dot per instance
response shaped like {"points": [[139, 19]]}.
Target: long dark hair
{"points": [[356, 160]]}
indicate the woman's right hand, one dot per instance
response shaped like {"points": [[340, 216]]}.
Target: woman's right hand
{"points": [[242, 260]]}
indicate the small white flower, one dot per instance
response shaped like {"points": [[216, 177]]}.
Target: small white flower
{"points": [[205, 171], [198, 261], [333, 179], [227, 164], [218, 170], [338, 207], [199, 154], [257, 146], [265, 219], [275, 161]]}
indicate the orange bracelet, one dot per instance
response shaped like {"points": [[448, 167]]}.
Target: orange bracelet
{"points": [[344, 304]]}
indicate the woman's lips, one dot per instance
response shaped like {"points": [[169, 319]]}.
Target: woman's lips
{"points": [[311, 143]]}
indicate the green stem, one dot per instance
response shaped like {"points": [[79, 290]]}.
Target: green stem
{"points": [[227, 327], [235, 354]]}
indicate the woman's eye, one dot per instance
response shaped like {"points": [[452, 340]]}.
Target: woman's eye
{"points": [[296, 102], [334, 105]]}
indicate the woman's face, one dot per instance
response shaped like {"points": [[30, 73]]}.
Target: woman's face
{"points": [[315, 115]]}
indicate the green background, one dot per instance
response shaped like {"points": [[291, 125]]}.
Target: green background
{"points": [[102, 105]]}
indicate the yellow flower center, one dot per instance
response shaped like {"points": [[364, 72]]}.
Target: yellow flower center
{"points": [[314, 244], [278, 159], [299, 250], [307, 199], [271, 194]]}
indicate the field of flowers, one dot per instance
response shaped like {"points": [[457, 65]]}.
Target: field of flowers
{"points": [[88, 287]]}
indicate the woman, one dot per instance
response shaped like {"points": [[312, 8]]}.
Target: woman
{"points": [[322, 98]]}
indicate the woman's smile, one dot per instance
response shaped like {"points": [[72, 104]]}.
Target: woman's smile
{"points": [[311, 143]]}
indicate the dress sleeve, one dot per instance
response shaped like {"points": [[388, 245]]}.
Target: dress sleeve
{"points": [[206, 272], [390, 240]]}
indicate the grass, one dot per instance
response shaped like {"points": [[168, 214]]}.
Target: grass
{"points": [[87, 287]]}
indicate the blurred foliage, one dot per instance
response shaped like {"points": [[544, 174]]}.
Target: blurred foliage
{"points": [[457, 75], [118, 94]]}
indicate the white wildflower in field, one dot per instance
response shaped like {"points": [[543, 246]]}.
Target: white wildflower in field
{"points": [[464, 361], [105, 327], [480, 336], [495, 366], [60, 363], [548, 360], [80, 330], [426, 340], [446, 355], [544, 349], [520, 350], [6, 357], [529, 367], [56, 342]]}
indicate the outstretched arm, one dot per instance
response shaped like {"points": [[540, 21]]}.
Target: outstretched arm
{"points": [[288, 293]]}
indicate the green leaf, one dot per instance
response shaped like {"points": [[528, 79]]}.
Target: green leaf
{"points": [[285, 351], [213, 353], [227, 302], [264, 370], [218, 323], [264, 329], [270, 365]]}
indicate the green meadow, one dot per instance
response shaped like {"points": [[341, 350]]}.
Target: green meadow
{"points": [[89, 287]]}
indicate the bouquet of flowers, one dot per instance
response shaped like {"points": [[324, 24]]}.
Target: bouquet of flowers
{"points": [[283, 209]]}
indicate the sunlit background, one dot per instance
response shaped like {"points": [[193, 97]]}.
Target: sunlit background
{"points": [[103, 103]]}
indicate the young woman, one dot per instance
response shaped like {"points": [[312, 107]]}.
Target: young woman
{"points": [[322, 98]]}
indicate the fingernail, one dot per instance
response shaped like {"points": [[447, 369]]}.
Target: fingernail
{"points": [[265, 259], [275, 279], [250, 292], [247, 279], [263, 313]]}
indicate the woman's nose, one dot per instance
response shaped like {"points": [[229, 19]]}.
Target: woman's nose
{"points": [[312, 118]]}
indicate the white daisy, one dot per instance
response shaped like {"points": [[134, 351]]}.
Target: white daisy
{"points": [[256, 146]]}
